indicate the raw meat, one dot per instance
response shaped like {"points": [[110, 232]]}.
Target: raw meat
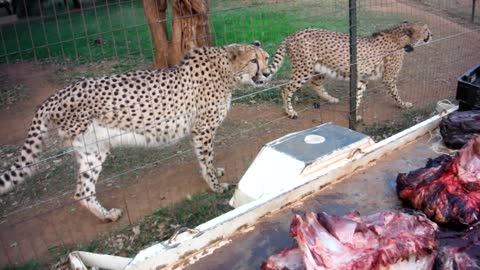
{"points": [[447, 190], [459, 251], [458, 128], [385, 240], [288, 259]]}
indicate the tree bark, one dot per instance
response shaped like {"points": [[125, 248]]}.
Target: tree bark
{"points": [[190, 28], [155, 13]]}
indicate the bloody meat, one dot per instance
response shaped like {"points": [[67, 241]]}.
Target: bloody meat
{"points": [[459, 250], [447, 190], [385, 240]]}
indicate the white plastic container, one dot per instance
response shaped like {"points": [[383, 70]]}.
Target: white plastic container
{"points": [[295, 158]]}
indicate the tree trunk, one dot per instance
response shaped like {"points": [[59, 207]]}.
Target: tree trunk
{"points": [[155, 13], [190, 28]]}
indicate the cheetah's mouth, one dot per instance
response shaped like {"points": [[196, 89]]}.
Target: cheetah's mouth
{"points": [[428, 38], [408, 48], [259, 80]]}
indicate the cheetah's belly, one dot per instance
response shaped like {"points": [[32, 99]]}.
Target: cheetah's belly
{"points": [[375, 73], [104, 137], [328, 72]]}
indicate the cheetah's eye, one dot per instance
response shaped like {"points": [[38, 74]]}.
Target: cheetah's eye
{"points": [[254, 60]]}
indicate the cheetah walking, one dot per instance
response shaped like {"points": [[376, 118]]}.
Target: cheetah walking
{"points": [[318, 54], [147, 108]]}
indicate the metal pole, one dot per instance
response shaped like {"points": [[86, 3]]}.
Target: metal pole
{"points": [[352, 22], [473, 10]]}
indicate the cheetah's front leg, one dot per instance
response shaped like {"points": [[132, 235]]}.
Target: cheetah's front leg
{"points": [[393, 64], [393, 91], [361, 87], [203, 145], [317, 84]]}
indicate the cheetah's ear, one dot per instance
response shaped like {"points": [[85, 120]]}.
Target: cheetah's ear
{"points": [[256, 43], [234, 52]]}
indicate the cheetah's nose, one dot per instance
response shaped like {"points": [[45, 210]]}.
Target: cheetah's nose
{"points": [[266, 73]]}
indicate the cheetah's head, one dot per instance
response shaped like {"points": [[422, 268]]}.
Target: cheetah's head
{"points": [[249, 63], [408, 35], [415, 34]]}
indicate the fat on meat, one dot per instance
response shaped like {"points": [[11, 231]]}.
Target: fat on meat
{"points": [[386, 240]]}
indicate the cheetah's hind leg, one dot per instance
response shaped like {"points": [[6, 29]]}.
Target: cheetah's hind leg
{"points": [[90, 166], [317, 84]]}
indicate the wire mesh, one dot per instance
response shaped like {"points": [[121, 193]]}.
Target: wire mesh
{"points": [[49, 44]]}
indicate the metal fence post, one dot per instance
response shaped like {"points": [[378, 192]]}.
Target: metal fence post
{"points": [[473, 10], [352, 22]]}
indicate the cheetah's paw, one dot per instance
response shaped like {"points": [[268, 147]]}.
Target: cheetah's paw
{"points": [[113, 215], [220, 172], [406, 105], [333, 100], [292, 114], [221, 187]]}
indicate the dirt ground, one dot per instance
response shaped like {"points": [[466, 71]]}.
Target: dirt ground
{"points": [[49, 220]]}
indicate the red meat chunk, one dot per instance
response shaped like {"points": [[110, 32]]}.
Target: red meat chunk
{"points": [[447, 190], [385, 240]]}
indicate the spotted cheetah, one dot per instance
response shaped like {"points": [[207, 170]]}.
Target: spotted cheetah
{"points": [[318, 54], [143, 108]]}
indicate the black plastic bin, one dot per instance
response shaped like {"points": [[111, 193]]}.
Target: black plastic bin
{"points": [[468, 90]]}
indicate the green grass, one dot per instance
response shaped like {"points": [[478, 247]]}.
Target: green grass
{"points": [[122, 30], [383, 130], [31, 265], [71, 37]]}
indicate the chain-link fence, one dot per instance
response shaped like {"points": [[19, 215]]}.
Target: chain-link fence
{"points": [[51, 44]]}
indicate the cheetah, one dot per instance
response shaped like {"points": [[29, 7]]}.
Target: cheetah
{"points": [[143, 108], [317, 54]]}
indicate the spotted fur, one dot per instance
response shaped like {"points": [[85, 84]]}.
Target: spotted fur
{"points": [[147, 108], [318, 54]]}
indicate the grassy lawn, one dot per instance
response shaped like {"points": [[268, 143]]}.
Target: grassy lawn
{"points": [[119, 30]]}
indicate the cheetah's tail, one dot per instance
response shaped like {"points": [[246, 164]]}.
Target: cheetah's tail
{"points": [[25, 165], [278, 57]]}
